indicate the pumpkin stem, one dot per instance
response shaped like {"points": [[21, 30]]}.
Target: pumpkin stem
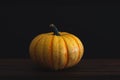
{"points": [[55, 30]]}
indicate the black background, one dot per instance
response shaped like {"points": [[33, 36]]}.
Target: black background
{"points": [[96, 24]]}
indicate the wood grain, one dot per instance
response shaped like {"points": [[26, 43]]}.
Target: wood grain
{"points": [[87, 69]]}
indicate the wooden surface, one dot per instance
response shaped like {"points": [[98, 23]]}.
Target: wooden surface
{"points": [[100, 69]]}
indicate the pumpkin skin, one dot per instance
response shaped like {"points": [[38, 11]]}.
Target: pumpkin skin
{"points": [[56, 52]]}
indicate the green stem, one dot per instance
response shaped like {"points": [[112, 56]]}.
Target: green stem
{"points": [[55, 30]]}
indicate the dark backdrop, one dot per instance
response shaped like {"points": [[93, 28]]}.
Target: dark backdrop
{"points": [[96, 24]]}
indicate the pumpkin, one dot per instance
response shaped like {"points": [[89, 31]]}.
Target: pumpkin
{"points": [[56, 50]]}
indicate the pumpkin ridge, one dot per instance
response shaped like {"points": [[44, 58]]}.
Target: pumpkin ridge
{"points": [[59, 55], [51, 51], [67, 58], [36, 47]]}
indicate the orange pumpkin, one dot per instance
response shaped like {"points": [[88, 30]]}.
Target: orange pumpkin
{"points": [[56, 50]]}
